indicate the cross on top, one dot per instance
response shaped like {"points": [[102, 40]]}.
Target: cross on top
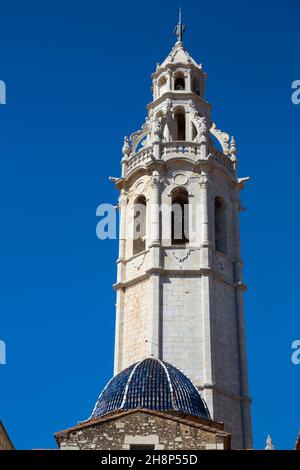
{"points": [[179, 28]]}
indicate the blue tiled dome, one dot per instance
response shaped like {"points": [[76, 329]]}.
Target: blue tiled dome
{"points": [[154, 385]]}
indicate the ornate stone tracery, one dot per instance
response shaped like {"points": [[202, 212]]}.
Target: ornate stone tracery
{"points": [[222, 137], [138, 136]]}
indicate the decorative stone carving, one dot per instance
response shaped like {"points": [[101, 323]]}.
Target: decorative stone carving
{"points": [[200, 124], [126, 149], [181, 179], [157, 128], [138, 262], [270, 445], [183, 255], [222, 137], [156, 181], [233, 150], [138, 136], [142, 158], [203, 180], [140, 188]]}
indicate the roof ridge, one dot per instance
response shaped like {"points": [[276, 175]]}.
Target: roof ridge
{"points": [[169, 381], [128, 383]]}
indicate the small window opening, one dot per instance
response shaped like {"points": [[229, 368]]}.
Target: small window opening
{"points": [[139, 225], [179, 126], [180, 217], [220, 226]]}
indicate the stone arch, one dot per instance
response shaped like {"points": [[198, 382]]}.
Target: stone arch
{"points": [[139, 224], [162, 84], [179, 131], [196, 84], [179, 81], [179, 216]]}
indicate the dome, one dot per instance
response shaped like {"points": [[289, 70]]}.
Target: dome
{"points": [[152, 384]]}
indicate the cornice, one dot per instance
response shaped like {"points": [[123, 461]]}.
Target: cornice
{"points": [[177, 95], [176, 65]]}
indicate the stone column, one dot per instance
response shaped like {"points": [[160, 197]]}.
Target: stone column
{"points": [[120, 278], [122, 235], [124, 163], [206, 292], [206, 312], [169, 80], [154, 315], [172, 82], [155, 88], [154, 202], [189, 80], [243, 373], [118, 362], [154, 267], [168, 117]]}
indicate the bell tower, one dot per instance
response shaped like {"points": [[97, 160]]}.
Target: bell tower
{"points": [[179, 271]]}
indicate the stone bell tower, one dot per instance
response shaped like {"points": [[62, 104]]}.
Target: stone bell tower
{"points": [[179, 291]]}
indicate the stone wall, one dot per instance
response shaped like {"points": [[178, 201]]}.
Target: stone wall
{"points": [[135, 323], [144, 428], [181, 324]]}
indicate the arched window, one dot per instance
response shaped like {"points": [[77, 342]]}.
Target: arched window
{"points": [[180, 217], [179, 125], [220, 226], [162, 81], [139, 225], [162, 85], [196, 88], [179, 82]]}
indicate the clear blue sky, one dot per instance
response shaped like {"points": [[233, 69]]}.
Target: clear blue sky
{"points": [[78, 80]]}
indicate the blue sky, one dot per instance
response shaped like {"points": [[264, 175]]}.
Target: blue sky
{"points": [[78, 80]]}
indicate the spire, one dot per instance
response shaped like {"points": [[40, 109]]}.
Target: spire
{"points": [[269, 443], [179, 28]]}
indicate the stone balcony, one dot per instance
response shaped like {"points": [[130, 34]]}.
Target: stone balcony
{"points": [[168, 150], [179, 148]]}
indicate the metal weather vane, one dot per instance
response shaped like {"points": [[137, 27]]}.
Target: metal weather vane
{"points": [[179, 28]]}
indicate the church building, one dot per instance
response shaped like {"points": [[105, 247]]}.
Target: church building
{"points": [[180, 378]]}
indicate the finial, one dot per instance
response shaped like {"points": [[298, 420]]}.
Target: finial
{"points": [[179, 28], [233, 150], [126, 149], [269, 443]]}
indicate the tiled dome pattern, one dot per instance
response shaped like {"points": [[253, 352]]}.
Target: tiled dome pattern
{"points": [[154, 385]]}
